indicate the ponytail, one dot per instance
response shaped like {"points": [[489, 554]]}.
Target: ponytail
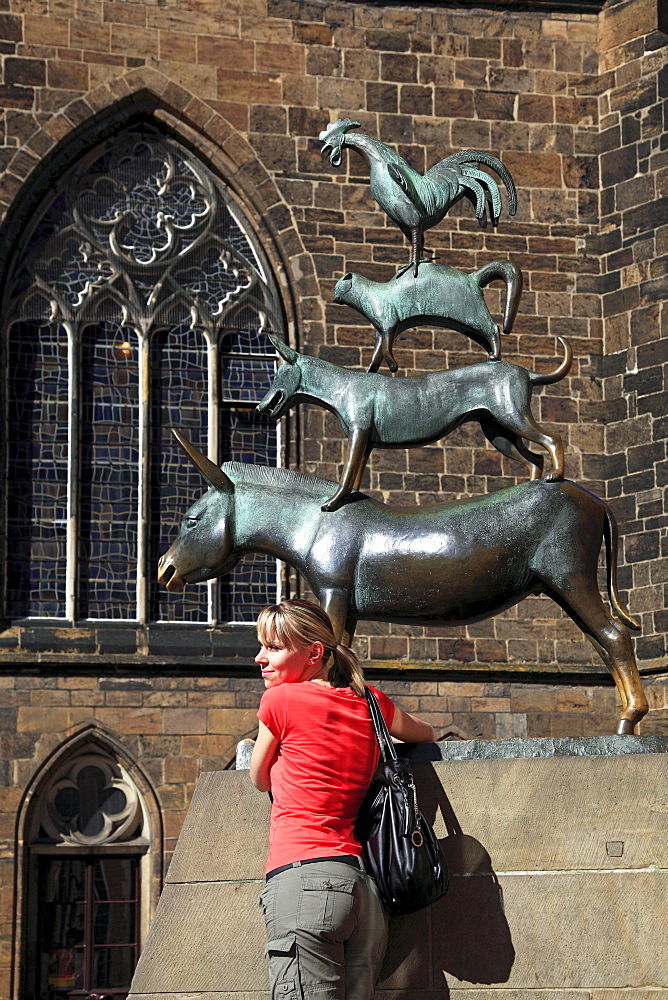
{"points": [[300, 623], [345, 670]]}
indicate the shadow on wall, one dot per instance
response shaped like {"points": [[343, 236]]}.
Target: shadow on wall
{"points": [[465, 935]]}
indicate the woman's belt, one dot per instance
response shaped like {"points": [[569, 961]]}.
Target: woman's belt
{"points": [[345, 859]]}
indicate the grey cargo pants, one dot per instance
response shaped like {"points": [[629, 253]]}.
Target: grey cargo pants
{"points": [[326, 933]]}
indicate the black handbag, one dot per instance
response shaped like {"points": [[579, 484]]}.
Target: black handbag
{"points": [[401, 851]]}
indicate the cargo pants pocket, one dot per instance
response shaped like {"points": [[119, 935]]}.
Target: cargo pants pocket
{"points": [[326, 903], [284, 981], [266, 904]]}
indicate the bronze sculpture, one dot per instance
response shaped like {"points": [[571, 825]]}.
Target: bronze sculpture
{"points": [[439, 296], [380, 412], [451, 563], [417, 202], [447, 564]]}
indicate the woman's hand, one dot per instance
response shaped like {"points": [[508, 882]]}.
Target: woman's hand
{"points": [[262, 758], [408, 729]]}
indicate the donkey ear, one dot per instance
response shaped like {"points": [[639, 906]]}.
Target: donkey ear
{"points": [[209, 470], [286, 352]]}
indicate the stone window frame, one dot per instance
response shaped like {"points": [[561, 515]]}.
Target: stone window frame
{"points": [[215, 407]]}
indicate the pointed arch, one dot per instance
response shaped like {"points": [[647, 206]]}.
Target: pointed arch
{"points": [[146, 93], [134, 832], [96, 289], [93, 736]]}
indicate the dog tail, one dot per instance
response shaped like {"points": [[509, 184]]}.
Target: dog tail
{"points": [[511, 274], [560, 372]]}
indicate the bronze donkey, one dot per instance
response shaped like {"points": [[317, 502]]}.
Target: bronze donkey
{"points": [[444, 564], [380, 412]]}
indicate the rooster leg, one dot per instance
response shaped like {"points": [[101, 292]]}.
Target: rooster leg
{"points": [[417, 241], [417, 244]]}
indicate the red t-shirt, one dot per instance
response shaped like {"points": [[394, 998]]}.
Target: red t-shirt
{"points": [[327, 755]]}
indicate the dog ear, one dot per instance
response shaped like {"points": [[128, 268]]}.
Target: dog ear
{"points": [[285, 352]]}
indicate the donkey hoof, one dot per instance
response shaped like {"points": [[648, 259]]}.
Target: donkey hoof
{"points": [[554, 477], [332, 505], [625, 728]]}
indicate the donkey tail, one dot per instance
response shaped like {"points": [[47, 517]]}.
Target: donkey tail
{"points": [[511, 274], [611, 544], [560, 372]]}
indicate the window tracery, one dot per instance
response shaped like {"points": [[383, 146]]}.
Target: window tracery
{"points": [[93, 802]]}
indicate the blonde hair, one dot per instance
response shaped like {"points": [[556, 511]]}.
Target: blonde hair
{"points": [[299, 623]]}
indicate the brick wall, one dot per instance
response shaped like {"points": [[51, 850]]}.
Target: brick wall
{"points": [[633, 248]]}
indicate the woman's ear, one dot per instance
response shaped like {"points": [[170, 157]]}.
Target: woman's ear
{"points": [[317, 652]]}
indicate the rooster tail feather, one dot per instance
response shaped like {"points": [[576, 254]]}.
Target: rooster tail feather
{"points": [[492, 189], [476, 156], [480, 199]]}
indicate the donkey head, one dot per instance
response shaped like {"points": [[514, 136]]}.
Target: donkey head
{"points": [[203, 546]]}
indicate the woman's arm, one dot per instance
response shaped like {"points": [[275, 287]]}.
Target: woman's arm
{"points": [[262, 758], [408, 729]]}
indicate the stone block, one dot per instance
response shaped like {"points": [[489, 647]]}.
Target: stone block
{"points": [[63, 75], [25, 72], [486, 929], [387, 41], [399, 68], [207, 957], [209, 846]]}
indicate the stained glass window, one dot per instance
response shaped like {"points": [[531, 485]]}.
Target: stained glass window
{"points": [[140, 304], [109, 472], [37, 455], [180, 399]]}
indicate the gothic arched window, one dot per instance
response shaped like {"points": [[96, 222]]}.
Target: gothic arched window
{"points": [[139, 301]]}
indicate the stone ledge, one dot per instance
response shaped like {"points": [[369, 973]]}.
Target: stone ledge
{"points": [[519, 747], [571, 6], [516, 748]]}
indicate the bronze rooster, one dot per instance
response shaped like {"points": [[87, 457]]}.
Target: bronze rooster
{"points": [[416, 202]]}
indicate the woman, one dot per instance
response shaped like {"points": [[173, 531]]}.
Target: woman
{"points": [[316, 752]]}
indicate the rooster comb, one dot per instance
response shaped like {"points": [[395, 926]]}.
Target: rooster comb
{"points": [[339, 127]]}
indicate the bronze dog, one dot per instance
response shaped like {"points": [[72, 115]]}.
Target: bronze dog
{"points": [[377, 411]]}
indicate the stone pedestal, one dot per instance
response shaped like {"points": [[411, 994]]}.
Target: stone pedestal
{"points": [[559, 883]]}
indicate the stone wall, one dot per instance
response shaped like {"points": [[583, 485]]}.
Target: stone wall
{"points": [[632, 250]]}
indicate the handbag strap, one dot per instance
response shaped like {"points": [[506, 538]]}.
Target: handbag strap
{"points": [[412, 816], [385, 743]]}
